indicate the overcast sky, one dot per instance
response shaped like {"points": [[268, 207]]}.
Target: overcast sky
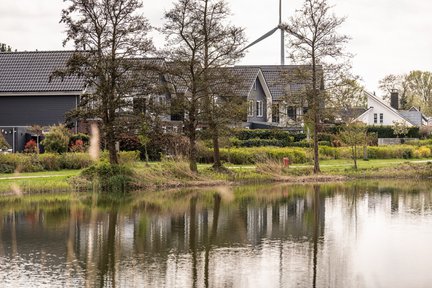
{"points": [[388, 36]]}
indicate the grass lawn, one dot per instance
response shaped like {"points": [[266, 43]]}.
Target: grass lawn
{"points": [[46, 181]]}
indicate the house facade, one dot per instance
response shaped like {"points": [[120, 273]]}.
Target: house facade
{"points": [[380, 113], [28, 95], [274, 94]]}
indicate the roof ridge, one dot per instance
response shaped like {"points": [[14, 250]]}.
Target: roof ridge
{"points": [[43, 51]]}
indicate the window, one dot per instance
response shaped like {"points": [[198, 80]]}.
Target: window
{"points": [[375, 118], [250, 108], [292, 113], [275, 113], [254, 87], [260, 109], [381, 118], [305, 110]]}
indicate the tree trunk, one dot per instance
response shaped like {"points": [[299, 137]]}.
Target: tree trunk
{"points": [[316, 148], [110, 140], [355, 156], [216, 153], [315, 110], [192, 149]]}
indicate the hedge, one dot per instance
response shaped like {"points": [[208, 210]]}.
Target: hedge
{"points": [[247, 134], [53, 161], [302, 155]]}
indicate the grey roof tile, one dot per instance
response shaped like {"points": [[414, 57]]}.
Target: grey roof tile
{"points": [[31, 71], [279, 77]]}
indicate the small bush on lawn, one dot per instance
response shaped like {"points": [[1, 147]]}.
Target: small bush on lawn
{"points": [[109, 178]]}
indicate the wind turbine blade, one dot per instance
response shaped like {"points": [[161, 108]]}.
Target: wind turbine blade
{"points": [[268, 34]]}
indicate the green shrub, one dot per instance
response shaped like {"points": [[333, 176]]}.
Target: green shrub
{"points": [[252, 155], [40, 162], [123, 156], [75, 160], [388, 132], [50, 162], [109, 178], [57, 140], [80, 136], [422, 152], [6, 168]]}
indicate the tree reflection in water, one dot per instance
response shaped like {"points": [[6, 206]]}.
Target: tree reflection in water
{"points": [[261, 236]]}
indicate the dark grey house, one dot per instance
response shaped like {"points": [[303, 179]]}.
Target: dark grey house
{"points": [[274, 94], [29, 96]]}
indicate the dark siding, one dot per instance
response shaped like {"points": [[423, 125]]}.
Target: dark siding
{"points": [[256, 95], [28, 110]]}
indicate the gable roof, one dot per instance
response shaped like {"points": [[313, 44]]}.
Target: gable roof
{"points": [[247, 77], [31, 71], [278, 77], [412, 116]]}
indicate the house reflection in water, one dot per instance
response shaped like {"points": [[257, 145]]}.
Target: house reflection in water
{"points": [[268, 236]]}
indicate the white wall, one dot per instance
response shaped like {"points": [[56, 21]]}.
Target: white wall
{"points": [[378, 107]]}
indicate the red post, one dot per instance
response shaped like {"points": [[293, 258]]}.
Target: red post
{"points": [[286, 161]]}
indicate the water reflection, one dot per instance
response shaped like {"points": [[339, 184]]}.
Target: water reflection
{"points": [[340, 235]]}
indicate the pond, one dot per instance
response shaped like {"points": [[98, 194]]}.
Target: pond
{"points": [[368, 234]]}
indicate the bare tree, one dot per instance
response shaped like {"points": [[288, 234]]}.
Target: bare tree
{"points": [[414, 88], [314, 41], [110, 33], [200, 45], [355, 136]]}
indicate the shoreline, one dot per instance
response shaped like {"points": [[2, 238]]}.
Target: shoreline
{"points": [[143, 179]]}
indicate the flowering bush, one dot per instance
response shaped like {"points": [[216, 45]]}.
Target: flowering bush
{"points": [[78, 146], [30, 147]]}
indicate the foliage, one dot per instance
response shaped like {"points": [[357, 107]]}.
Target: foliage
{"points": [[400, 128], [108, 177], [40, 162], [30, 146], [253, 155], [57, 139], [78, 146], [354, 135], [414, 88], [388, 132], [80, 136], [3, 143]]}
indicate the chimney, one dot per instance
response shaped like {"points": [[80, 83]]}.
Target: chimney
{"points": [[394, 99]]}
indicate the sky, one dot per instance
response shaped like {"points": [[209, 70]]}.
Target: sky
{"points": [[387, 36]]}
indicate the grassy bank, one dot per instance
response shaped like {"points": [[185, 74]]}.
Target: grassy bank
{"points": [[169, 174]]}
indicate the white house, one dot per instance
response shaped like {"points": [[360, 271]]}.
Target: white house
{"points": [[380, 113]]}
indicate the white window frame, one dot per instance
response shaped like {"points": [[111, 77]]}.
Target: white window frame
{"points": [[260, 108], [250, 108], [254, 86], [381, 119]]}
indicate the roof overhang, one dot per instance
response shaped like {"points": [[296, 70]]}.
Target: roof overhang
{"points": [[50, 93]]}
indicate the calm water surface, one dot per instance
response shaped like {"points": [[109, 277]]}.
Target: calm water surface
{"points": [[371, 234]]}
